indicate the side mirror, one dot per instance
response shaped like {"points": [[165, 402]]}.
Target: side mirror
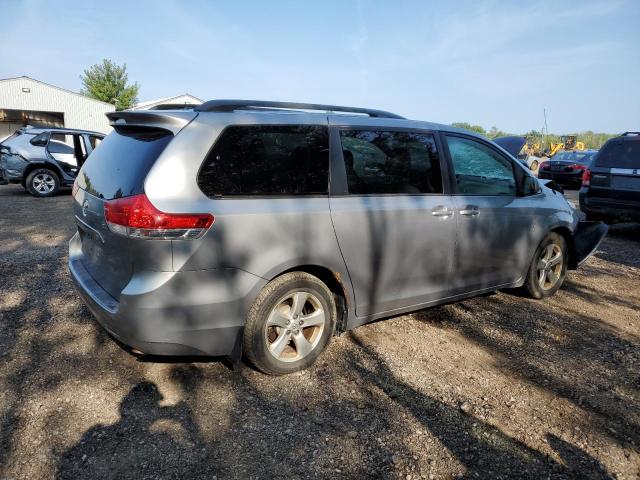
{"points": [[530, 185]]}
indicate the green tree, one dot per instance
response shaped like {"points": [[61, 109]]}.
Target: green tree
{"points": [[108, 82], [591, 140], [494, 132], [472, 128]]}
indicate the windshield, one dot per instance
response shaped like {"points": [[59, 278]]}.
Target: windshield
{"points": [[563, 157]]}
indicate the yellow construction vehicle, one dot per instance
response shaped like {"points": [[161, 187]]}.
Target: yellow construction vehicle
{"points": [[533, 146], [567, 142]]}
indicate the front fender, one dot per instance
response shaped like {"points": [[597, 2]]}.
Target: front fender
{"points": [[586, 238]]}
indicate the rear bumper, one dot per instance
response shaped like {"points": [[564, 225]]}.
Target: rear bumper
{"points": [[610, 209], [10, 176], [587, 238], [171, 313], [12, 168]]}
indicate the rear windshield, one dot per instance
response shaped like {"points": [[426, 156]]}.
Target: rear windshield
{"points": [[574, 157], [562, 157], [119, 165], [619, 154]]}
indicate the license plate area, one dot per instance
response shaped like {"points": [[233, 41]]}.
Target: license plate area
{"points": [[625, 182], [91, 243]]}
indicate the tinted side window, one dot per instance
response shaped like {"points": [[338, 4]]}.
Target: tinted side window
{"points": [[619, 154], [56, 146], [480, 170], [40, 140], [267, 160], [390, 162]]}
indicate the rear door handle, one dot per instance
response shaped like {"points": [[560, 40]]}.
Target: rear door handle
{"points": [[470, 211], [441, 211]]}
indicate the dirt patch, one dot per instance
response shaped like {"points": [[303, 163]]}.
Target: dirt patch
{"points": [[499, 386]]}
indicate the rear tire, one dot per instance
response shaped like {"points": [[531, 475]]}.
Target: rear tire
{"points": [[548, 268], [43, 182], [289, 324]]}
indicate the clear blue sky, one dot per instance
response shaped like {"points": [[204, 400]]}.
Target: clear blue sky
{"points": [[484, 62]]}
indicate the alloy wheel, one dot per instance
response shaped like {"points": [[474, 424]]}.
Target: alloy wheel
{"points": [[294, 326], [43, 183], [550, 266]]}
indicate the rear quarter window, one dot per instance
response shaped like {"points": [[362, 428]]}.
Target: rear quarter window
{"points": [[619, 154], [120, 165], [40, 140], [267, 160]]}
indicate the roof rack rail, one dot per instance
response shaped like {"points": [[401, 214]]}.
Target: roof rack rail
{"points": [[628, 134], [232, 105]]}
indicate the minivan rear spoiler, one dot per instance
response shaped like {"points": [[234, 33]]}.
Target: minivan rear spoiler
{"points": [[174, 121]]}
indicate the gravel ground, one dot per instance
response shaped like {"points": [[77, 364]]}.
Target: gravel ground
{"points": [[499, 386]]}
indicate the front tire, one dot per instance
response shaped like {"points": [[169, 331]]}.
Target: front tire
{"points": [[43, 182], [548, 268], [289, 324]]}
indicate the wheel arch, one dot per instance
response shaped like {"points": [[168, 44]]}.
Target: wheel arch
{"points": [[333, 279], [42, 164], [567, 234]]}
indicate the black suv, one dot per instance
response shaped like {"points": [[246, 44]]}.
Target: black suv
{"points": [[611, 186]]}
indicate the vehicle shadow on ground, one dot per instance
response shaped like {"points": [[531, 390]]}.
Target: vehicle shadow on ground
{"points": [[134, 446], [483, 449], [149, 438], [286, 438], [590, 294], [571, 354]]}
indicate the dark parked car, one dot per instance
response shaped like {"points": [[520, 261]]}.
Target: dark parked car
{"points": [[236, 226], [566, 168], [43, 160], [611, 186]]}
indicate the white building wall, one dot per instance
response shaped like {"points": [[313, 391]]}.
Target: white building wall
{"points": [[79, 111]]}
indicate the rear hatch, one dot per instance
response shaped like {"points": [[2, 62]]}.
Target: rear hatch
{"points": [[117, 168], [615, 171], [512, 144]]}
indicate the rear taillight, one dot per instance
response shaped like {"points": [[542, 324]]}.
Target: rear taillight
{"points": [[74, 189], [586, 178], [575, 166], [136, 217], [545, 166]]}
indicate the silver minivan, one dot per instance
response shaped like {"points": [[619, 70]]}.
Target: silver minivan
{"points": [[264, 228]]}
